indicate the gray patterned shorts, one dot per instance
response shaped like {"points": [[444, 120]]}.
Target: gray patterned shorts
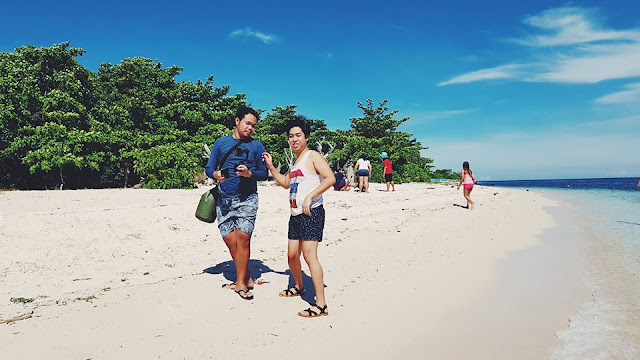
{"points": [[237, 213]]}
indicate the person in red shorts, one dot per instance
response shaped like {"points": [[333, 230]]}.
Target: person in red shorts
{"points": [[387, 170]]}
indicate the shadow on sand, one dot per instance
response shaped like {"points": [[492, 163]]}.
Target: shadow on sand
{"points": [[462, 206], [256, 269]]}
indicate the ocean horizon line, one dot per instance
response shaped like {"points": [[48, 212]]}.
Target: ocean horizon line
{"points": [[561, 179]]}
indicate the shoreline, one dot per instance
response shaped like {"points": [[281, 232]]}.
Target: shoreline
{"points": [[605, 325], [402, 270]]}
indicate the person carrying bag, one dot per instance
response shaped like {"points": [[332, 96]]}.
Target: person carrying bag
{"points": [[237, 205], [206, 210]]}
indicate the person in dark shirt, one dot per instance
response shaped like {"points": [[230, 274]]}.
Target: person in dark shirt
{"points": [[238, 203], [342, 183]]}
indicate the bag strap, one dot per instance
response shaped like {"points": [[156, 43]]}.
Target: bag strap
{"points": [[226, 156]]}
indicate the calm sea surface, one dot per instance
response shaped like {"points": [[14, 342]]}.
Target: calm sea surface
{"points": [[607, 214], [629, 184]]}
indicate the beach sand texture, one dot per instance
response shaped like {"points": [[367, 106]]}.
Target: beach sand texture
{"points": [[123, 274]]}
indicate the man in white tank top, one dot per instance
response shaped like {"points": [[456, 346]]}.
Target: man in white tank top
{"points": [[308, 178]]}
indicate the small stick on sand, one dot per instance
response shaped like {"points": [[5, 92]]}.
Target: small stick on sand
{"points": [[17, 318]]}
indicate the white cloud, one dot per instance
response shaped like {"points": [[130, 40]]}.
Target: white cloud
{"points": [[499, 72], [596, 63], [630, 95], [248, 32], [571, 25], [584, 52]]}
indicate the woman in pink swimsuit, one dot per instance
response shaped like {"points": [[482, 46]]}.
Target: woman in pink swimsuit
{"points": [[467, 179]]}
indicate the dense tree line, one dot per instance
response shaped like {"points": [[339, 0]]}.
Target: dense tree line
{"points": [[445, 174], [62, 125]]}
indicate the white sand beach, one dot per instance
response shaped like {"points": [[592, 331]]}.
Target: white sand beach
{"points": [[410, 274]]}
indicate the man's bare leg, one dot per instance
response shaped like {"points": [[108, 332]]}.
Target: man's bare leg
{"points": [[239, 244], [293, 257], [310, 252]]}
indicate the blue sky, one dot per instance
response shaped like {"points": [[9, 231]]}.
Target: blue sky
{"points": [[520, 89]]}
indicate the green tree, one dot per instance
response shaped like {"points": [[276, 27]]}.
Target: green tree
{"points": [[63, 125], [445, 174], [39, 86], [169, 166], [52, 146], [376, 122], [376, 131]]}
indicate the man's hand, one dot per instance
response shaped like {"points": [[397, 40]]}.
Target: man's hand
{"points": [[306, 206], [243, 171], [218, 176], [268, 160]]}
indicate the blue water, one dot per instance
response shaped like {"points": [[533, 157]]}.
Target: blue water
{"points": [[629, 184], [606, 215], [612, 204]]}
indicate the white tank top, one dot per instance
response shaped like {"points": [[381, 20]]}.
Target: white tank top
{"points": [[363, 164], [301, 184]]}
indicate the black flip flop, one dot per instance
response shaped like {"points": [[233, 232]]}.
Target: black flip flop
{"points": [[228, 286], [246, 297]]}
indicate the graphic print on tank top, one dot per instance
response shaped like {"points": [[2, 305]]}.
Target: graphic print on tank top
{"points": [[293, 187]]}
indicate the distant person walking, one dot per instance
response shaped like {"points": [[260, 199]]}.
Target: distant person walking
{"points": [[387, 170], [467, 179], [238, 202], [364, 171], [308, 178]]}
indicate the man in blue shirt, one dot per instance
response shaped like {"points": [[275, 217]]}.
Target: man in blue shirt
{"points": [[238, 203]]}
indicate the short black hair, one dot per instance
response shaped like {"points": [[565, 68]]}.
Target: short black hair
{"points": [[299, 122], [244, 110]]}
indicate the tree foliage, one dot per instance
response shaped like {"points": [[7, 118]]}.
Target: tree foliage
{"points": [[62, 125], [446, 174]]}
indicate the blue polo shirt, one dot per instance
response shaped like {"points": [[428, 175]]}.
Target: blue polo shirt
{"points": [[249, 153]]}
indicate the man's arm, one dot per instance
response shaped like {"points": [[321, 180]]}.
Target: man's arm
{"points": [[260, 173], [283, 180], [212, 163], [322, 167], [328, 179]]}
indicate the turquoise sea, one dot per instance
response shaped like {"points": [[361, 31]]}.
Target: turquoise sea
{"points": [[605, 218]]}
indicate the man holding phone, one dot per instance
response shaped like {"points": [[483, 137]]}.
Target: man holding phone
{"points": [[238, 203]]}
